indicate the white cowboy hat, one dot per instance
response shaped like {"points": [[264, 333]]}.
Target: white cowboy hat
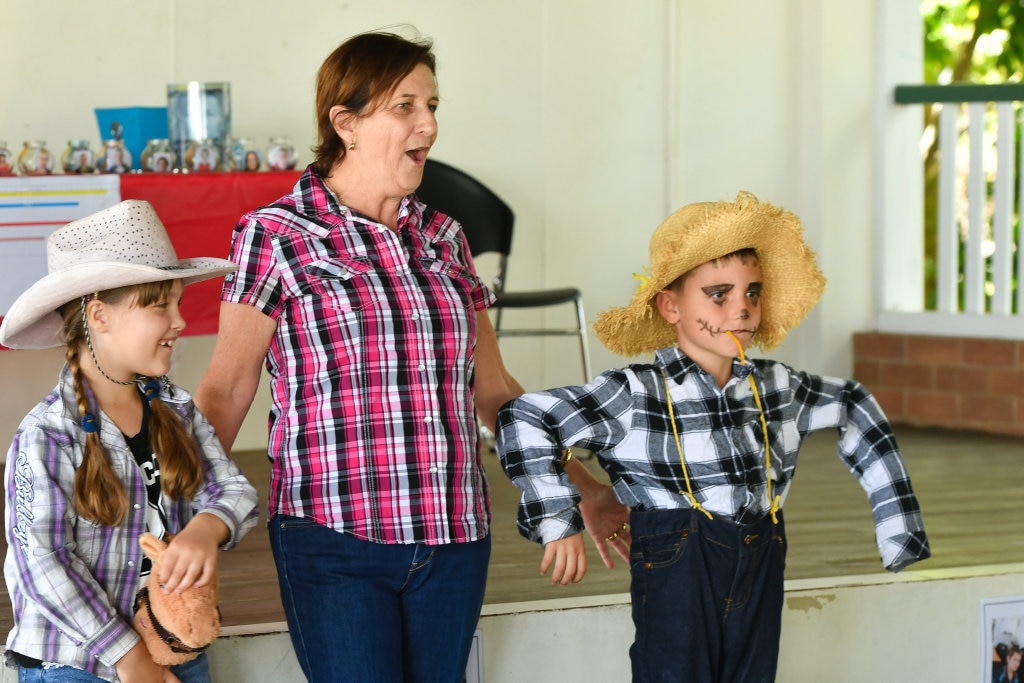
{"points": [[125, 244]]}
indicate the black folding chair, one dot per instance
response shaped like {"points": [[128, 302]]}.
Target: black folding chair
{"points": [[487, 222]]}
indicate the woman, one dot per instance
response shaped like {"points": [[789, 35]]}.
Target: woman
{"points": [[365, 306]]}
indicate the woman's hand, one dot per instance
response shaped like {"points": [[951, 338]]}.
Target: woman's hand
{"points": [[605, 518], [568, 558], [191, 556], [137, 666], [607, 522]]}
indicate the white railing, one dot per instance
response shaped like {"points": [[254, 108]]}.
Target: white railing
{"points": [[978, 261]]}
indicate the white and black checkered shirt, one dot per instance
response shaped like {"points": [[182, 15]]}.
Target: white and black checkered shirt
{"points": [[623, 417]]}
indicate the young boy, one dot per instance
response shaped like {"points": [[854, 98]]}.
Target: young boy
{"points": [[701, 444]]}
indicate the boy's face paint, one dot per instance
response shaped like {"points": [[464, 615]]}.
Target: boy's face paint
{"points": [[715, 298]]}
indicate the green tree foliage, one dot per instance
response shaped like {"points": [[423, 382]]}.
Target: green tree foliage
{"points": [[965, 41], [954, 30]]}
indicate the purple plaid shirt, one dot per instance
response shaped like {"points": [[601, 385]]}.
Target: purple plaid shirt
{"points": [[73, 582], [372, 427]]}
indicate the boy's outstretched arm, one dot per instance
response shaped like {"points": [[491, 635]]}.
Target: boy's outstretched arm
{"points": [[560, 498], [567, 558], [868, 447]]}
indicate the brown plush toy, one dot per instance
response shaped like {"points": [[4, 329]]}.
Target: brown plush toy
{"points": [[176, 627]]}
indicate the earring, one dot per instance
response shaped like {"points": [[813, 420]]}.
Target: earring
{"points": [[352, 145]]}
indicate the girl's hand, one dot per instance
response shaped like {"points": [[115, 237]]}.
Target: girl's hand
{"points": [[137, 666], [569, 559], [191, 555]]}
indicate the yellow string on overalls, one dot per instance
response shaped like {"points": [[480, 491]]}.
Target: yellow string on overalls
{"points": [[679, 445], [774, 502]]}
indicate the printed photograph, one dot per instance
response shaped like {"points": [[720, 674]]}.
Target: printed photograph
{"points": [[1003, 626]]}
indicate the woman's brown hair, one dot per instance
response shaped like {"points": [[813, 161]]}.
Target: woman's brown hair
{"points": [[360, 74], [99, 494]]}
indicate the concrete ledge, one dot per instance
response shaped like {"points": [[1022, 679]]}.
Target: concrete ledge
{"points": [[916, 625]]}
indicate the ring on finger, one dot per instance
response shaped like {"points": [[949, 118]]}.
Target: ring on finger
{"points": [[611, 538]]}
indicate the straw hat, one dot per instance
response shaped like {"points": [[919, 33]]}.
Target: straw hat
{"points": [[698, 233], [125, 244]]}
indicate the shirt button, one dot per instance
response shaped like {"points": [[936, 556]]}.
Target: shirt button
{"points": [[131, 563], [136, 506], [428, 419], [434, 469], [421, 367], [415, 316]]}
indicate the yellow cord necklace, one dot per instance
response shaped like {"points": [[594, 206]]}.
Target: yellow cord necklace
{"points": [[773, 501]]}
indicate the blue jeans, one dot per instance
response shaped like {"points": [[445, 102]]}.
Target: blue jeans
{"points": [[377, 613], [196, 671], [707, 598]]}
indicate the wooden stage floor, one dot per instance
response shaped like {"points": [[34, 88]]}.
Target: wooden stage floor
{"points": [[971, 489]]}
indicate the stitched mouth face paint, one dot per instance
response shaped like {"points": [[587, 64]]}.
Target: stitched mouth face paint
{"points": [[716, 331]]}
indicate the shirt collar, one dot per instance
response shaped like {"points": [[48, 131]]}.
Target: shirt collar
{"points": [[677, 364]]}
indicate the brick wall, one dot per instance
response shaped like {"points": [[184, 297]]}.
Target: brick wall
{"points": [[950, 382]]}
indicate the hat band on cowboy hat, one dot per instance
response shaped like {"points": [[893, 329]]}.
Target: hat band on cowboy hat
{"points": [[698, 233], [123, 245]]}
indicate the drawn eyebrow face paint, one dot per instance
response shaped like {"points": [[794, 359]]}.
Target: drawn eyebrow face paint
{"points": [[717, 291]]}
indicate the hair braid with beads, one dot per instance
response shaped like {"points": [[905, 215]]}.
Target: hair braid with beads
{"points": [[99, 493]]}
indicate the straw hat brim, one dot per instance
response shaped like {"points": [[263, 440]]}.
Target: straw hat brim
{"points": [[792, 283], [32, 321]]}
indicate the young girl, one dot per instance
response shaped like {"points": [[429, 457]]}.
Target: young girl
{"points": [[114, 451]]}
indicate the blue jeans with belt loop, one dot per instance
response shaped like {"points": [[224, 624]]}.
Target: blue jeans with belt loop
{"points": [[364, 612], [707, 598]]}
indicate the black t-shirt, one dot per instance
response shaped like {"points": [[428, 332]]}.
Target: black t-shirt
{"points": [[141, 447]]}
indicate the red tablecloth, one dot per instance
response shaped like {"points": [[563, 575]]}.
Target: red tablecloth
{"points": [[199, 211]]}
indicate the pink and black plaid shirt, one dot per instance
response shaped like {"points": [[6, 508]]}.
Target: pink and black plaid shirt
{"points": [[372, 426]]}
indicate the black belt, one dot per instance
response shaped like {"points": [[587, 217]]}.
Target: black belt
{"points": [[24, 661]]}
